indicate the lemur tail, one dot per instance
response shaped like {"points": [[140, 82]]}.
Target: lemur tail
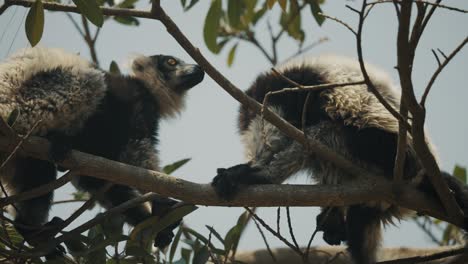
{"points": [[364, 233], [460, 192]]}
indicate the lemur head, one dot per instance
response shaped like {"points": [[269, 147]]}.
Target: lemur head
{"points": [[168, 79]]}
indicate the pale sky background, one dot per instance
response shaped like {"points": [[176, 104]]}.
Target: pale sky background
{"points": [[207, 131]]}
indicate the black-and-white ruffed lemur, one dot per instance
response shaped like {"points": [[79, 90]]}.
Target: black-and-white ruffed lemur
{"points": [[77, 106], [349, 120]]}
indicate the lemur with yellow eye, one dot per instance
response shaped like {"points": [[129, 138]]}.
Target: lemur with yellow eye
{"points": [[349, 120], [78, 106]]}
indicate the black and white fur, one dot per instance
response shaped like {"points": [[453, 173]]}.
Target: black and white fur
{"points": [[349, 120], [78, 106]]}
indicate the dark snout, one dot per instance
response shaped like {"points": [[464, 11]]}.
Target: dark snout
{"points": [[188, 76]]}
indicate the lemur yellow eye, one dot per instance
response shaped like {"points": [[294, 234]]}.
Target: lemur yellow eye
{"points": [[172, 62]]}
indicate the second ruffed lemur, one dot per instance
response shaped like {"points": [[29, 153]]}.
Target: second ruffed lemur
{"points": [[349, 120], [66, 99]]}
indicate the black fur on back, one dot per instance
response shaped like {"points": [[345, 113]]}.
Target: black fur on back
{"points": [[119, 118], [291, 103], [372, 145]]}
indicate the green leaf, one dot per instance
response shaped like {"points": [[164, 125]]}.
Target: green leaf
{"points": [[215, 233], [175, 243], [282, 4], [192, 3], [231, 55], [232, 238], [13, 117], [316, 11], [35, 23], [128, 21], [271, 3], [91, 10], [204, 240], [114, 68], [76, 245], [201, 256], [234, 12], [168, 169], [212, 22], [113, 226], [98, 253], [233, 235], [460, 173], [186, 253], [154, 225], [183, 3], [291, 21], [127, 4], [259, 14]]}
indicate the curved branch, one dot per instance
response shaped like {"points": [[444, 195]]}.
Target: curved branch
{"points": [[261, 195]]}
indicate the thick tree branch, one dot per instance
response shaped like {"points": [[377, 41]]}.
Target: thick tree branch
{"points": [[107, 11], [262, 195]]}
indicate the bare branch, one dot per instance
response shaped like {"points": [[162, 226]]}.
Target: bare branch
{"points": [[439, 70], [41, 190], [291, 231], [107, 11], [90, 41], [367, 79], [75, 24], [341, 22], [436, 57], [261, 195], [264, 239], [435, 5], [273, 232], [402, 143], [405, 56]]}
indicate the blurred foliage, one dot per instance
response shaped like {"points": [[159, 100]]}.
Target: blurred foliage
{"points": [[233, 20], [440, 232], [104, 243]]}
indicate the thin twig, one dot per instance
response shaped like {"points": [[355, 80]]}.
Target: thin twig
{"points": [[278, 219], [367, 79], [265, 240], [428, 232], [341, 22], [69, 201], [440, 68], [41, 190], [291, 231], [305, 49], [75, 24], [90, 41], [436, 5], [88, 204], [436, 57], [273, 232]]}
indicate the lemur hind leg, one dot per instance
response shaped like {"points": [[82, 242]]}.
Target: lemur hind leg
{"points": [[31, 215]]}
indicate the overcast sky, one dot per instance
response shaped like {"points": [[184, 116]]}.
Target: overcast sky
{"points": [[206, 131]]}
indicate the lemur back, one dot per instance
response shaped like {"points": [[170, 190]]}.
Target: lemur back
{"points": [[77, 106], [349, 120]]}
